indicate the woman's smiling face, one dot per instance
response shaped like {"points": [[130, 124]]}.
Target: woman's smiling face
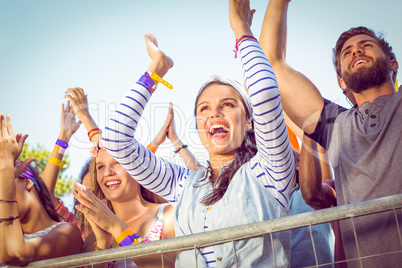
{"points": [[221, 119]]}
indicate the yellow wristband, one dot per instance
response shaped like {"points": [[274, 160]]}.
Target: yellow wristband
{"points": [[59, 149], [157, 78], [124, 234], [55, 161]]}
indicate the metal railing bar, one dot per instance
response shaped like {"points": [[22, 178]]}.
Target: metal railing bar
{"points": [[227, 234]]}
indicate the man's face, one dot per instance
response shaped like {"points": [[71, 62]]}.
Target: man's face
{"points": [[363, 63]]}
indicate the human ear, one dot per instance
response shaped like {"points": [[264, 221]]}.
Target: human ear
{"points": [[249, 124], [342, 84], [394, 65], [29, 184]]}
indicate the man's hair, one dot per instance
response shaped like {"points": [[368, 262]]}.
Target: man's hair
{"points": [[345, 36]]}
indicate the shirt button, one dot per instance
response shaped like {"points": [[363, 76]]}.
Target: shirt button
{"points": [[209, 208], [373, 125], [373, 116], [367, 111], [219, 258]]}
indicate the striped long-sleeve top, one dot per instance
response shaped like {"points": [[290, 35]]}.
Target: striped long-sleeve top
{"points": [[260, 188]]}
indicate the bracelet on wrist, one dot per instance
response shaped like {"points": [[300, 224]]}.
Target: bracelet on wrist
{"points": [[181, 147], [7, 201], [152, 147], [128, 237], [11, 218], [60, 146], [55, 161], [241, 39]]}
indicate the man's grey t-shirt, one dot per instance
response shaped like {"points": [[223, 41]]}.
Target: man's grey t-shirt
{"points": [[365, 149]]}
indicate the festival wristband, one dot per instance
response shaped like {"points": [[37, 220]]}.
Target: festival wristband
{"points": [[59, 149], [55, 161], [148, 82], [128, 237], [152, 147], [62, 143], [157, 78]]}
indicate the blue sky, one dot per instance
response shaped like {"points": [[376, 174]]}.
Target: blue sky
{"points": [[47, 46]]}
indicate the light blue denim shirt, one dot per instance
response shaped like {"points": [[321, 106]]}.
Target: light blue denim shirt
{"points": [[245, 201]]}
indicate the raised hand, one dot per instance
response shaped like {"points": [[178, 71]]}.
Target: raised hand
{"points": [[241, 17], [79, 101], [168, 129], [68, 123], [161, 63]]}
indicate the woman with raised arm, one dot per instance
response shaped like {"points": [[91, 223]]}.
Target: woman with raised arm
{"points": [[29, 225], [116, 201], [245, 182]]}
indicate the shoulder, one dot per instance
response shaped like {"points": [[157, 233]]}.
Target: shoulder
{"points": [[168, 222], [66, 232]]}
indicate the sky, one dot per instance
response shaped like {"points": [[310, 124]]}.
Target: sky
{"points": [[48, 46]]}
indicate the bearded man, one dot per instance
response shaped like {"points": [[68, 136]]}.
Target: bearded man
{"points": [[363, 143]]}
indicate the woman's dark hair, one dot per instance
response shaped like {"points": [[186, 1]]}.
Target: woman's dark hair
{"points": [[44, 195], [243, 154]]}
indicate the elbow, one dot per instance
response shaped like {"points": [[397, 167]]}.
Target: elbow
{"points": [[13, 258], [314, 200]]}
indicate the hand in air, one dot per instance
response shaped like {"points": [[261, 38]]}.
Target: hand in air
{"points": [[11, 145], [69, 125], [168, 129], [241, 17], [161, 63]]}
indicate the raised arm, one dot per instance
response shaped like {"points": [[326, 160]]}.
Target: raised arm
{"points": [[68, 126], [155, 174], [169, 130], [275, 165], [315, 194], [14, 249], [301, 100]]}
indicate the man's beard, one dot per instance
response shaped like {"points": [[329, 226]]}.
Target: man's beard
{"points": [[366, 77]]}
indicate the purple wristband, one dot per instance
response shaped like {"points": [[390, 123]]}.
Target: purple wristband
{"points": [[62, 143], [129, 240], [147, 80]]}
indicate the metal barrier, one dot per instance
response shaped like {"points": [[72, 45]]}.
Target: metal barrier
{"points": [[193, 242]]}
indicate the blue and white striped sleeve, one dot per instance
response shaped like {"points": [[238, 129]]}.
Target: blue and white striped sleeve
{"points": [[154, 173], [274, 163]]}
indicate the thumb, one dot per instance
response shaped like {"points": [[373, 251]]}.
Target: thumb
{"points": [[19, 169]]}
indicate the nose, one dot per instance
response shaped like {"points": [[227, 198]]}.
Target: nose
{"points": [[216, 113], [357, 49], [109, 171]]}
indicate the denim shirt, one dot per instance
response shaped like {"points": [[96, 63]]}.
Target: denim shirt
{"points": [[245, 201]]}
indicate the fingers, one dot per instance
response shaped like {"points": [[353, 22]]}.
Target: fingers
{"points": [[19, 169], [10, 128], [3, 125], [21, 141]]}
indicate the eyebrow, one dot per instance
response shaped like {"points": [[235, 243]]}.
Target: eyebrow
{"points": [[360, 42], [221, 100]]}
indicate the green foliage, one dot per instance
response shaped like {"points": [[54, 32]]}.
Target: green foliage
{"points": [[64, 183]]}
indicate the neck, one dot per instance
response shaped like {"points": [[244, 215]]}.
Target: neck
{"points": [[217, 161], [369, 95], [37, 218]]}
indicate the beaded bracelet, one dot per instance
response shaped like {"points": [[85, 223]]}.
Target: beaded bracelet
{"points": [[152, 147], [128, 237], [55, 161], [241, 39], [11, 218]]}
